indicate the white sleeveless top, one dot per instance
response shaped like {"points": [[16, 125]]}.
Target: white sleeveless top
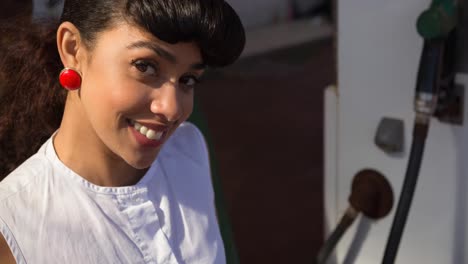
{"points": [[49, 214]]}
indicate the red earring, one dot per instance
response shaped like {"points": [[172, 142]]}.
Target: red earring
{"points": [[70, 79]]}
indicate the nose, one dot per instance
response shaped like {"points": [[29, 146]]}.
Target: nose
{"points": [[167, 102]]}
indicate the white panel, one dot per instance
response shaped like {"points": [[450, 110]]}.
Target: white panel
{"points": [[331, 129], [331, 157], [378, 56]]}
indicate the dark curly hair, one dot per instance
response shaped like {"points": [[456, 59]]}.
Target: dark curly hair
{"points": [[31, 99]]}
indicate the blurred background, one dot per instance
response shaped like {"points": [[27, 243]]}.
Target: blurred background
{"points": [[263, 118]]}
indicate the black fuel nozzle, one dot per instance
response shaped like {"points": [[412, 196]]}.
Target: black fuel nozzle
{"points": [[435, 25], [429, 73]]}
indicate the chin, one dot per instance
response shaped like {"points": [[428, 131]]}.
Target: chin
{"points": [[141, 162], [141, 166]]}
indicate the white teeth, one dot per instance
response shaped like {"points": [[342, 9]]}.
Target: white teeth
{"points": [[137, 126], [143, 130], [149, 133]]}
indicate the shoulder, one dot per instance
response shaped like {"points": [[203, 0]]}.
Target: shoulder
{"points": [[188, 141], [188, 128], [28, 175], [190, 136], [19, 193], [186, 162]]}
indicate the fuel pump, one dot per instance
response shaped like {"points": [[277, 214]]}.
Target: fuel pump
{"points": [[435, 95], [371, 195], [436, 26]]}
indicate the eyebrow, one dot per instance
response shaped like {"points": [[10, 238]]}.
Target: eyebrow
{"points": [[162, 53]]}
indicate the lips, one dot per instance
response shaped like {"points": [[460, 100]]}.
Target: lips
{"points": [[148, 134]]}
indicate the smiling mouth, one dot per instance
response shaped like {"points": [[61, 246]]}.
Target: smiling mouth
{"points": [[147, 132]]}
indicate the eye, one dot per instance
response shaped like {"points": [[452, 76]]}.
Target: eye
{"points": [[189, 80], [145, 67]]}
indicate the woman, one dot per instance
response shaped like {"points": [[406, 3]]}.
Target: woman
{"points": [[120, 178]]}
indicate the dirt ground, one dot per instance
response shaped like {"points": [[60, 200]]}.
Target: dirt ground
{"points": [[265, 117]]}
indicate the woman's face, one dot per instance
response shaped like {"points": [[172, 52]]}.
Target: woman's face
{"points": [[136, 90]]}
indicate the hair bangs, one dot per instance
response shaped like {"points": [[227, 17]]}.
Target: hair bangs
{"points": [[212, 24]]}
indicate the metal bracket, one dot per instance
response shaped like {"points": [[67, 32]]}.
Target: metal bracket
{"points": [[450, 106]]}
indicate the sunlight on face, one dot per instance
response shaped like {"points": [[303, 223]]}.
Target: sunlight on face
{"points": [[136, 90]]}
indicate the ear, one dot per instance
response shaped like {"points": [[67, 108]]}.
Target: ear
{"points": [[70, 46]]}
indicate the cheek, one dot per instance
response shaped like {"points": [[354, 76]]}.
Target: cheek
{"points": [[187, 104], [125, 96], [115, 91]]}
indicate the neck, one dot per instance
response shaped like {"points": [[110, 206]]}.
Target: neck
{"points": [[80, 149]]}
